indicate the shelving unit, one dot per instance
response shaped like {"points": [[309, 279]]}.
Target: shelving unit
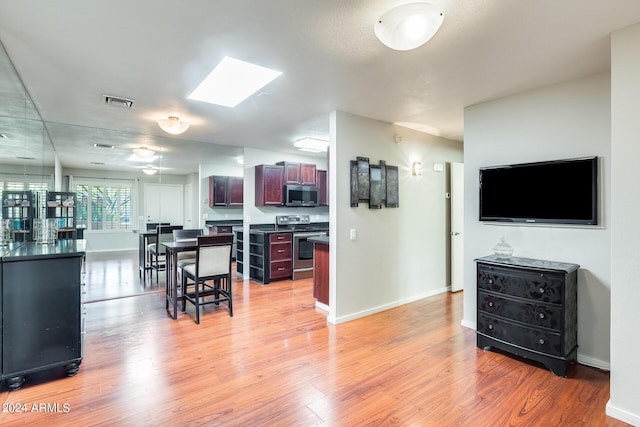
{"points": [[61, 205], [18, 206], [239, 251]]}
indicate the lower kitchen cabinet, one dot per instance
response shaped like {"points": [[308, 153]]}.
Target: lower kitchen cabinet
{"points": [[529, 308], [42, 319], [270, 256]]}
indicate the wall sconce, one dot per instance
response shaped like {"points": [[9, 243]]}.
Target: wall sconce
{"points": [[416, 168]]}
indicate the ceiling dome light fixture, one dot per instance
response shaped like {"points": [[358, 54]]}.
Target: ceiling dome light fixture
{"points": [[173, 125], [408, 26], [143, 152], [312, 145], [150, 170]]}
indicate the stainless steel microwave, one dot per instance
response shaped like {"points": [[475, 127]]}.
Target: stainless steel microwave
{"points": [[300, 195]]}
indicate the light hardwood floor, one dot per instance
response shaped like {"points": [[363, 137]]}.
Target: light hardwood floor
{"points": [[278, 363]]}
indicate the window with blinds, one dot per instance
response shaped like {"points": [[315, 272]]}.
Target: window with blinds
{"points": [[106, 206]]}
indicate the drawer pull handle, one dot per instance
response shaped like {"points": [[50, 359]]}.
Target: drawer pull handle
{"points": [[541, 290], [490, 304], [490, 327], [541, 341], [280, 251], [542, 315], [281, 269]]}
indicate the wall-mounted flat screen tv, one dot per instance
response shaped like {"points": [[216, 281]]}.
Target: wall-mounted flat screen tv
{"points": [[551, 192]]}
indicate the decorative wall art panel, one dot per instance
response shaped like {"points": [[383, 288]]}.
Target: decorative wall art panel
{"points": [[375, 184]]}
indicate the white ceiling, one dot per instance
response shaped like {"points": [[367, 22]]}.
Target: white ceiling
{"points": [[69, 53]]}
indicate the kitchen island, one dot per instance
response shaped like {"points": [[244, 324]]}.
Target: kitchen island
{"points": [[321, 269]]}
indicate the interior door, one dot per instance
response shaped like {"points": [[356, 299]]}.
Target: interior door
{"points": [[163, 203], [457, 227]]}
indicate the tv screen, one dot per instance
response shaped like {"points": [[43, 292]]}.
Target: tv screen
{"points": [[553, 192]]}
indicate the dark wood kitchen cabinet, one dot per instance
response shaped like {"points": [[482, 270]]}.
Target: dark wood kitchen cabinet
{"points": [[299, 173], [225, 191], [269, 182], [323, 187], [270, 256], [529, 308]]}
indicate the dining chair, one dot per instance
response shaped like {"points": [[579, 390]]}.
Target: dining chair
{"points": [[210, 274], [188, 257], [164, 233]]}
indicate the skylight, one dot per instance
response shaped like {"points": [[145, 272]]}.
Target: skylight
{"points": [[232, 81]]}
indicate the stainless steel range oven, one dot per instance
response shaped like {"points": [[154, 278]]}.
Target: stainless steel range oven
{"points": [[303, 254], [302, 251]]}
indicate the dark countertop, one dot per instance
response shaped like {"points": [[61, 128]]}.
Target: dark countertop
{"points": [[271, 228], [33, 250], [319, 239], [529, 263], [223, 222]]}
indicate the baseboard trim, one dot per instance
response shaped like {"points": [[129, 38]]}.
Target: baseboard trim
{"points": [[384, 307], [469, 324], [95, 251], [622, 415], [594, 363]]}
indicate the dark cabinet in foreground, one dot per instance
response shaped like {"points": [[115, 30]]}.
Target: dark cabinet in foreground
{"points": [[529, 308], [41, 291]]}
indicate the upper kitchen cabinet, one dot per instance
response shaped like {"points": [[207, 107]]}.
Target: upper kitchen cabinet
{"points": [[299, 173], [323, 187], [225, 191], [269, 182]]}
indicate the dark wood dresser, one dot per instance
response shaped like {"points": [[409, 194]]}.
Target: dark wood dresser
{"points": [[528, 307]]}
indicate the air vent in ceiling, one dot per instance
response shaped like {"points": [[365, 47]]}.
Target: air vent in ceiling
{"points": [[118, 102], [25, 158], [106, 146]]}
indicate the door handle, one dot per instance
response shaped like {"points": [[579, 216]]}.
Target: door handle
{"points": [[454, 233]]}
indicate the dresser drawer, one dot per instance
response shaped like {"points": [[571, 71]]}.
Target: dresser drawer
{"points": [[546, 316], [534, 285], [280, 251], [280, 269], [529, 338]]}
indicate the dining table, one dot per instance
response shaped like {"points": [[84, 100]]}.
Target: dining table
{"points": [[171, 270]]}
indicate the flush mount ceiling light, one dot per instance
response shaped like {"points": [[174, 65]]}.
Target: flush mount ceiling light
{"points": [[232, 81], [150, 170], [173, 125], [312, 145], [143, 152], [408, 26]]}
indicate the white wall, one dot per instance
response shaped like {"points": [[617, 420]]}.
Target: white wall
{"points": [[563, 121], [625, 229], [400, 254]]}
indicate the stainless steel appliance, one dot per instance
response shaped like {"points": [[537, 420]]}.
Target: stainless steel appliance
{"points": [[302, 251], [300, 195]]}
